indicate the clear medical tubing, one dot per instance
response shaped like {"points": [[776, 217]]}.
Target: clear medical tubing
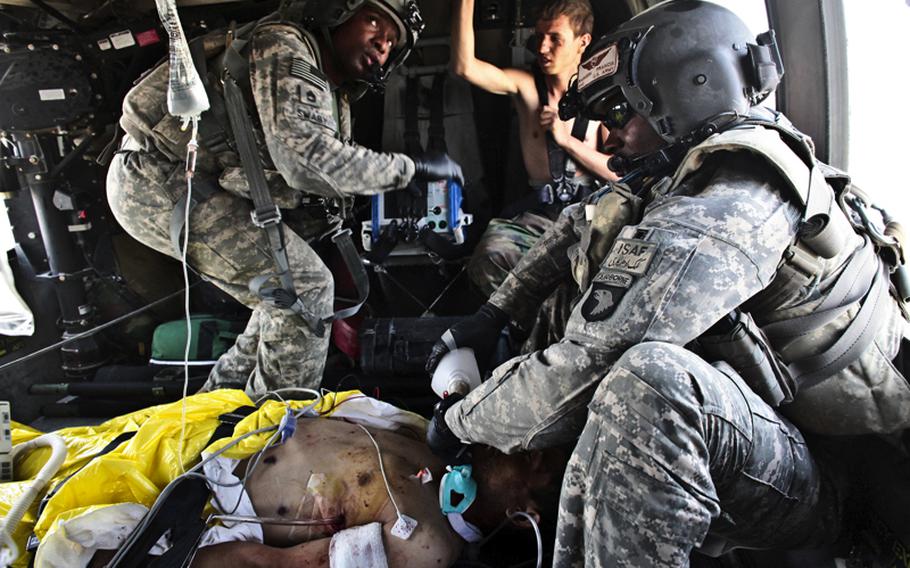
{"points": [[58, 456]]}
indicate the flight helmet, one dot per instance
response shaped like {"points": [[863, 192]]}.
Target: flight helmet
{"points": [[326, 15], [683, 65]]}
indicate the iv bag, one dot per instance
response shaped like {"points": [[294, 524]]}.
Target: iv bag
{"points": [[186, 96]]}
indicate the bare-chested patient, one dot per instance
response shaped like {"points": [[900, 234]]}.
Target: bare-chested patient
{"points": [[330, 471]]}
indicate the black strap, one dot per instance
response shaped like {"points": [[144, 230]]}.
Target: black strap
{"points": [[350, 256], [266, 214], [851, 285], [180, 514], [412, 143], [557, 158], [214, 125], [436, 134]]}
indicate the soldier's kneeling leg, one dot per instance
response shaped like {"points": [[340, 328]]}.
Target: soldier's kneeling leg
{"points": [[677, 454]]}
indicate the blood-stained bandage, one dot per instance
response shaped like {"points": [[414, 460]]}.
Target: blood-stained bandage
{"points": [[358, 547]]}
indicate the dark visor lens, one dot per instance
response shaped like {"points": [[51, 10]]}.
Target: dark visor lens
{"points": [[618, 115], [613, 113]]}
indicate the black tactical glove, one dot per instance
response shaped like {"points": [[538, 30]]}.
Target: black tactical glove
{"points": [[435, 166], [440, 439], [479, 332]]}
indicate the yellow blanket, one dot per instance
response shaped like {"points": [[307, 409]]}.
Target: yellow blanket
{"points": [[139, 468]]}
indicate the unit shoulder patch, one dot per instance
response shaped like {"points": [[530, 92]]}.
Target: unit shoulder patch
{"points": [[601, 301], [630, 255], [614, 278]]}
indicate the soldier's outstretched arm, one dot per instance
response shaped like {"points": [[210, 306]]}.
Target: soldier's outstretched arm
{"points": [[297, 110], [688, 263]]}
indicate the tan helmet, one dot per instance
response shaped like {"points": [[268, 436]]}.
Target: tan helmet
{"points": [[329, 14]]}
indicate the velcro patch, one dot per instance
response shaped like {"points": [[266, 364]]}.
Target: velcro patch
{"points": [[613, 278], [602, 64], [312, 75], [631, 255], [601, 301], [316, 116], [310, 96]]}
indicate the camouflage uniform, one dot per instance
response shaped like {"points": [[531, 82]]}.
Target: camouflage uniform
{"points": [[674, 450], [501, 247], [503, 244], [303, 126]]}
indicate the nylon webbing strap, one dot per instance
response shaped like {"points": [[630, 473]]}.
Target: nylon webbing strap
{"points": [[265, 211], [342, 240], [411, 128], [557, 158], [265, 214], [850, 345], [436, 134], [852, 285]]}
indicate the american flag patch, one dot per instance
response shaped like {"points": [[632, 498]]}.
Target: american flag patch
{"points": [[303, 70]]}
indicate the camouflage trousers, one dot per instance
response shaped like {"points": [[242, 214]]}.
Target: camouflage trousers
{"points": [[276, 349], [504, 243], [677, 454]]}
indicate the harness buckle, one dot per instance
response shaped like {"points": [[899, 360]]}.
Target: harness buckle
{"points": [[339, 234], [802, 261], [266, 218], [566, 192], [560, 192]]}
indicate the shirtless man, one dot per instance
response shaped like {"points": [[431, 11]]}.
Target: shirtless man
{"points": [[330, 470], [563, 30]]}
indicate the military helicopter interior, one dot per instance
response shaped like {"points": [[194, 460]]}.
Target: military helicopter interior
{"points": [[106, 313]]}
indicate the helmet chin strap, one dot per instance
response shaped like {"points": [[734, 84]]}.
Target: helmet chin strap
{"points": [[373, 78]]}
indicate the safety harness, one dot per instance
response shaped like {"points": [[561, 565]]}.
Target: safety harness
{"points": [[562, 188], [233, 126], [827, 199]]}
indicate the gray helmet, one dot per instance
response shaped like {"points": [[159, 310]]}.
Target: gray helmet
{"points": [[681, 65], [329, 14]]}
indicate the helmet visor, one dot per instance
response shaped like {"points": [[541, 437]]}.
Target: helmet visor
{"points": [[611, 108]]}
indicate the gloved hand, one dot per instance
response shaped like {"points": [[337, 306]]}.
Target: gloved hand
{"points": [[435, 166], [480, 332], [440, 439]]}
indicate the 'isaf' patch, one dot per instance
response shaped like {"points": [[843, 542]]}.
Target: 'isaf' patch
{"points": [[601, 301], [631, 255]]}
